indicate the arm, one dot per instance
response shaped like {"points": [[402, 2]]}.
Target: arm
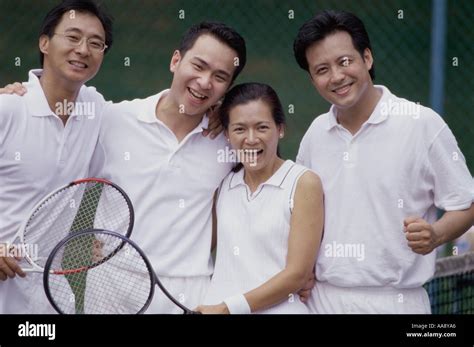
{"points": [[305, 292], [453, 192], [303, 244], [423, 237], [9, 267]]}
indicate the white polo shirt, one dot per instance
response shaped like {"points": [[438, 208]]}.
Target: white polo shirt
{"points": [[403, 161], [252, 236], [170, 184], [38, 154]]}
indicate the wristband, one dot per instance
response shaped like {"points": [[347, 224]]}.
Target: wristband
{"points": [[237, 304]]}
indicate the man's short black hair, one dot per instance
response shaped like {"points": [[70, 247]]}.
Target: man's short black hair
{"points": [[221, 32], [326, 23], [54, 16]]}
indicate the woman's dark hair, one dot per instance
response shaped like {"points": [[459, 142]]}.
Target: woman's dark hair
{"points": [[54, 16], [325, 24], [244, 93]]}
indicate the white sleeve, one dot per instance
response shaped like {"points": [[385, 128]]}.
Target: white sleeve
{"points": [[303, 156], [5, 118], [453, 184]]}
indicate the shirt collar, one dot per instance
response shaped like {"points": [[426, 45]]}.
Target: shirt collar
{"points": [[276, 180], [148, 112], [36, 101], [376, 117]]}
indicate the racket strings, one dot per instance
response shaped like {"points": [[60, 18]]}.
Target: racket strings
{"points": [[119, 280], [78, 207]]}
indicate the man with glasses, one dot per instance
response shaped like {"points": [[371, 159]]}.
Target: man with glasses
{"points": [[75, 39], [48, 136], [71, 54], [168, 168]]}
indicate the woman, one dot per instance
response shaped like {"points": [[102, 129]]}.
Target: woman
{"points": [[268, 213]]}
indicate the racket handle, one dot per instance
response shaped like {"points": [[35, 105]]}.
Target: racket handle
{"points": [[32, 269]]}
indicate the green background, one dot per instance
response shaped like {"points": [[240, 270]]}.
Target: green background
{"points": [[148, 31]]}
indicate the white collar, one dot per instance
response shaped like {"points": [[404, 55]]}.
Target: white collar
{"points": [[376, 116], [275, 180], [148, 113]]}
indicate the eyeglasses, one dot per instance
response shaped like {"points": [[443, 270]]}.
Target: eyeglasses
{"points": [[75, 40]]}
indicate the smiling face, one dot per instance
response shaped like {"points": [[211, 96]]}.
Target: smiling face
{"points": [[75, 65], [253, 130], [338, 72], [202, 75]]}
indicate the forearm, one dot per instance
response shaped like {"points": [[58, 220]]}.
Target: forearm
{"points": [[303, 244], [453, 224], [276, 289]]}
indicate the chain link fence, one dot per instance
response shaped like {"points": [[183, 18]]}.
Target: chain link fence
{"points": [[147, 32]]}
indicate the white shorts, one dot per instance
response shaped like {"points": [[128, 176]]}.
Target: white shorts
{"points": [[189, 291], [327, 299]]}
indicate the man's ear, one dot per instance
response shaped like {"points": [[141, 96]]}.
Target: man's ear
{"points": [[217, 104], [368, 58], [175, 59], [43, 44]]}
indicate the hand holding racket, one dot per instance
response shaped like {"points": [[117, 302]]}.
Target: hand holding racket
{"points": [[8, 263], [83, 204], [120, 278]]}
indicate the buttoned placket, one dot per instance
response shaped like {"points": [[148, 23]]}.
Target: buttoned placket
{"points": [[351, 143], [65, 131], [173, 143]]}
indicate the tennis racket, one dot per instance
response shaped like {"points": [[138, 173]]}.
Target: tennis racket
{"points": [[120, 278], [82, 204]]}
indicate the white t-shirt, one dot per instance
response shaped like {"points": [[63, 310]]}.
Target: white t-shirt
{"points": [[404, 161], [170, 184], [38, 154], [252, 236]]}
